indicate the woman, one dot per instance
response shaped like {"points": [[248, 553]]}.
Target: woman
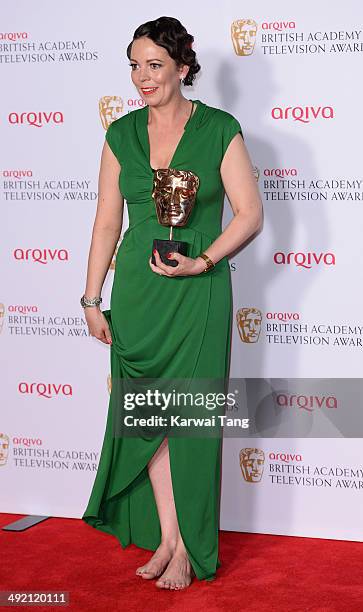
{"points": [[162, 493]]}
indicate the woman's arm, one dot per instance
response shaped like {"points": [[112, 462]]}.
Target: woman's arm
{"points": [[107, 225], [242, 191], [105, 234]]}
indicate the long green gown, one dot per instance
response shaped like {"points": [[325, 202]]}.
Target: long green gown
{"points": [[167, 327]]}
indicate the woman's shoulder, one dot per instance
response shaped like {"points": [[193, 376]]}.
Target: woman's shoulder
{"points": [[123, 121], [221, 122], [122, 129], [218, 116]]}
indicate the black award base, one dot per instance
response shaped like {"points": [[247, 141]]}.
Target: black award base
{"points": [[169, 246]]}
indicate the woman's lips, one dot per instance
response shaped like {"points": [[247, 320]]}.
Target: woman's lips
{"points": [[148, 92]]}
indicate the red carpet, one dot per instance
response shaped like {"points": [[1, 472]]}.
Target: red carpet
{"points": [[259, 572]]}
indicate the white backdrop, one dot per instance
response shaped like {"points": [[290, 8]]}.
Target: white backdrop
{"points": [[291, 76]]}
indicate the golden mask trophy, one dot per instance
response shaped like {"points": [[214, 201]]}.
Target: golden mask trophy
{"points": [[174, 193]]}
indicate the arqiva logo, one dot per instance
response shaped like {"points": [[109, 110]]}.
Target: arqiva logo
{"points": [[27, 441], [280, 172], [283, 316], [18, 174], [13, 36], [278, 25], [302, 113], [23, 309], [42, 256], [304, 260], [36, 119], [285, 457], [47, 390], [306, 402]]}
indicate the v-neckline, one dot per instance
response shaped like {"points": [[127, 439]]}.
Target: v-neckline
{"points": [[187, 126]]}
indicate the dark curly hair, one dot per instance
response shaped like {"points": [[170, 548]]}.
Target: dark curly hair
{"points": [[169, 33]]}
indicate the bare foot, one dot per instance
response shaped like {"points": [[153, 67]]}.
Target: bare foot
{"points": [[178, 574], [157, 563]]}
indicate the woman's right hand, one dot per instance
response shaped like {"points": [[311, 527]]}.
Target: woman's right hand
{"points": [[97, 324]]}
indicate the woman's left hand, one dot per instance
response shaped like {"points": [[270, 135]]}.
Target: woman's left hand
{"points": [[187, 266]]}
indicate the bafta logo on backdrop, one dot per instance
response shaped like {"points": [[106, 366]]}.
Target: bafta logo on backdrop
{"points": [[113, 260], [2, 316], [110, 108], [256, 172], [249, 322], [4, 448], [243, 33], [252, 461]]}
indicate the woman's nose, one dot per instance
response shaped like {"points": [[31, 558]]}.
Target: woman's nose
{"points": [[144, 74]]}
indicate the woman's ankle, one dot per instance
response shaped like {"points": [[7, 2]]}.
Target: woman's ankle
{"points": [[169, 542]]}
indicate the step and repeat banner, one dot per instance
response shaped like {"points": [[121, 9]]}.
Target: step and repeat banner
{"points": [[291, 76]]}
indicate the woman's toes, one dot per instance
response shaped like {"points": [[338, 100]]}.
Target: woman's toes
{"points": [[163, 584], [147, 575], [146, 572], [179, 586], [155, 565]]}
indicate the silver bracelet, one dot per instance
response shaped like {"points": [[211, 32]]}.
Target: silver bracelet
{"points": [[86, 302]]}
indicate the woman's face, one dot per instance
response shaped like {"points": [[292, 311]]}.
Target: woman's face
{"points": [[152, 69]]}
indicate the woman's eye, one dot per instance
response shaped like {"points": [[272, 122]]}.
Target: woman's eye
{"points": [[157, 66]]}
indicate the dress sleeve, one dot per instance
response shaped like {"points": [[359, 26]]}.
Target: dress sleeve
{"points": [[112, 138], [231, 128]]}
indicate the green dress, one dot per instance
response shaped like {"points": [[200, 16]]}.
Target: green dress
{"points": [[167, 327]]}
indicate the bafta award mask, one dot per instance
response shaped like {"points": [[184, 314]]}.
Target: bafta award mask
{"points": [[110, 109], [113, 260], [109, 383], [243, 32], [251, 462], [174, 194], [256, 172], [4, 448], [249, 322]]}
